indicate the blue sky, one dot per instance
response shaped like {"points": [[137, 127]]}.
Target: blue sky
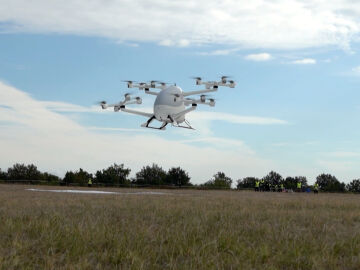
{"points": [[295, 108]]}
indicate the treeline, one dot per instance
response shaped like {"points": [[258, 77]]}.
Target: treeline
{"points": [[154, 175], [114, 175], [27, 172], [326, 182]]}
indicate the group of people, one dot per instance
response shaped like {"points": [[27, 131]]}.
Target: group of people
{"points": [[261, 185]]}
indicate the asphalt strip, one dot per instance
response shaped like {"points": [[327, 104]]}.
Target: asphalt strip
{"points": [[99, 192]]}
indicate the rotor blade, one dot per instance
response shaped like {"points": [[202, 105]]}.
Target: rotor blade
{"points": [[130, 92], [100, 102]]}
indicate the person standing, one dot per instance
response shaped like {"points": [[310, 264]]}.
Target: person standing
{"points": [[298, 186], [257, 185], [262, 185], [316, 188]]}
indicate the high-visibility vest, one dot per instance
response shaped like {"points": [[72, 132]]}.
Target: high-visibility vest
{"points": [[282, 186], [257, 183], [90, 182], [316, 186], [299, 185]]}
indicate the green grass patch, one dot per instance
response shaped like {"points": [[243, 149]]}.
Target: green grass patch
{"points": [[187, 229]]}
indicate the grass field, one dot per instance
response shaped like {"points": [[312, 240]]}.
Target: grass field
{"points": [[183, 229]]}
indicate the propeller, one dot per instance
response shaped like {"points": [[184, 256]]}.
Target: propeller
{"points": [[127, 96], [203, 98], [129, 83], [212, 102], [165, 83], [223, 78], [153, 83], [101, 103], [130, 92], [198, 80], [138, 100], [206, 95]]}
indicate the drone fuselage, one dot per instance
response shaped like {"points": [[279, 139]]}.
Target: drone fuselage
{"points": [[169, 102]]}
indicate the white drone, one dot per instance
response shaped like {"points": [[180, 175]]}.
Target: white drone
{"points": [[171, 103]]}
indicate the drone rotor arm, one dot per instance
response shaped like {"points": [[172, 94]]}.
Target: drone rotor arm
{"points": [[182, 113], [136, 112], [185, 94], [151, 92]]}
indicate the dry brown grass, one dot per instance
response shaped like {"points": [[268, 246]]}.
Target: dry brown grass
{"points": [[183, 230]]}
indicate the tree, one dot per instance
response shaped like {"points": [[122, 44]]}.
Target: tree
{"points": [[329, 183], [69, 177], [178, 177], [3, 175], [50, 177], [291, 182], [22, 172], [354, 186], [220, 180], [247, 182], [153, 175], [115, 174], [80, 177], [273, 178]]}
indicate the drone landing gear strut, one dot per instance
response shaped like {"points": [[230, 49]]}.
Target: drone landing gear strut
{"points": [[187, 125], [163, 126], [175, 124]]}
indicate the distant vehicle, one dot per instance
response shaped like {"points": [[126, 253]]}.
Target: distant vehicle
{"points": [[171, 103]]}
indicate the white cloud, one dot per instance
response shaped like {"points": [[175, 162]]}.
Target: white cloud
{"points": [[119, 129], [178, 43], [233, 118], [356, 71], [305, 61], [261, 24], [166, 42], [220, 52], [183, 43], [31, 133], [259, 57], [58, 106]]}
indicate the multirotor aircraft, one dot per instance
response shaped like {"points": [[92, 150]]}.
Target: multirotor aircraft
{"points": [[171, 103]]}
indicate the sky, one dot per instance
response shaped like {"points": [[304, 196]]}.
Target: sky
{"points": [[295, 108]]}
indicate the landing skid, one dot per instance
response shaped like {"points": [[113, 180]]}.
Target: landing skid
{"points": [[188, 126], [146, 125], [159, 128], [163, 127]]}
